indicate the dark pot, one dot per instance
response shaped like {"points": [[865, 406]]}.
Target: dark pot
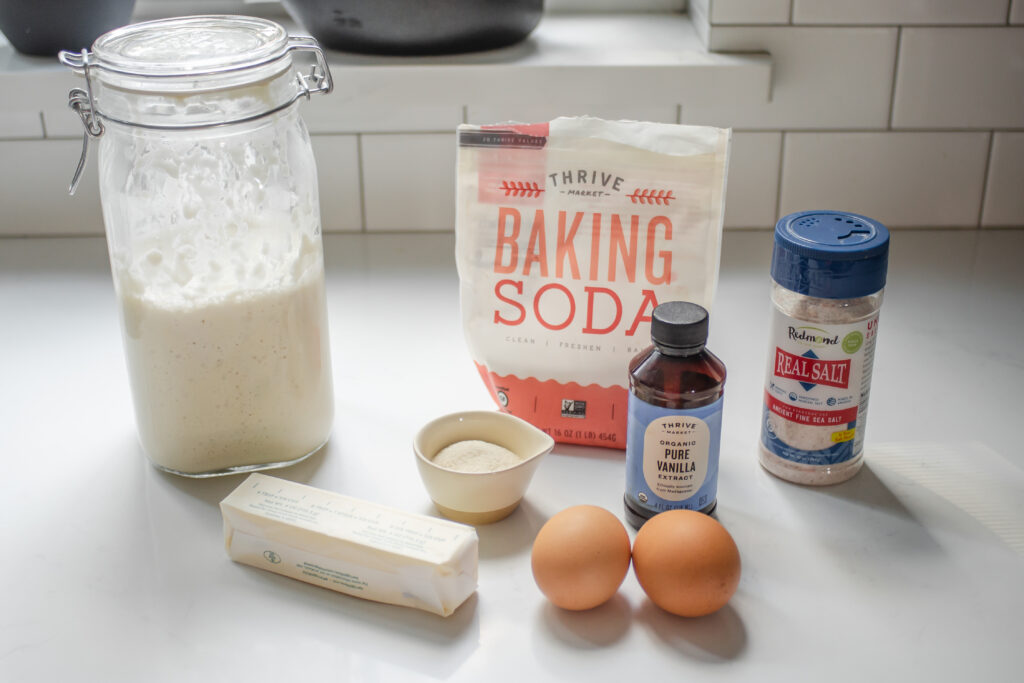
{"points": [[45, 27], [416, 27]]}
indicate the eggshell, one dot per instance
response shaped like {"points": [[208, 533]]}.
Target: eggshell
{"points": [[580, 557], [686, 562]]}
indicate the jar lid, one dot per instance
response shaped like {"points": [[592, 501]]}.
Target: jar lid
{"points": [[158, 75], [679, 326], [830, 254], [187, 54], [194, 45]]}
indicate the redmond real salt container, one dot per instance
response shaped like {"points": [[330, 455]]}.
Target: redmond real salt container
{"points": [[828, 274]]}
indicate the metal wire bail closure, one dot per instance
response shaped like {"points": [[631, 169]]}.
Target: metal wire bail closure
{"points": [[81, 101], [319, 74]]}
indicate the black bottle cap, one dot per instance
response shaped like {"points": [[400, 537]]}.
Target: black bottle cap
{"points": [[679, 326]]}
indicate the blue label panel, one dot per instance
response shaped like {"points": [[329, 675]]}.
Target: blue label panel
{"points": [[833, 455], [642, 414]]}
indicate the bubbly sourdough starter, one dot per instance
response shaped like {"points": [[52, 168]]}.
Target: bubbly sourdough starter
{"points": [[233, 377]]}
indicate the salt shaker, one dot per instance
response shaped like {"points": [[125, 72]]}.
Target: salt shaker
{"points": [[209, 193], [828, 271]]}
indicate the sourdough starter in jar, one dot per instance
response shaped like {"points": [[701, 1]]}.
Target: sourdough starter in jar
{"points": [[228, 375], [828, 272], [209, 194]]}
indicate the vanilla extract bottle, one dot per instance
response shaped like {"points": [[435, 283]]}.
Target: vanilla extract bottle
{"points": [[674, 427]]}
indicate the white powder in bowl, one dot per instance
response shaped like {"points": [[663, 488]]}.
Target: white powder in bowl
{"points": [[476, 456]]}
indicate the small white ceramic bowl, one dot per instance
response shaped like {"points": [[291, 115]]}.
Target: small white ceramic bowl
{"points": [[479, 497]]}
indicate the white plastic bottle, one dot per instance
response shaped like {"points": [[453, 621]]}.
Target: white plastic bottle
{"points": [[828, 272]]}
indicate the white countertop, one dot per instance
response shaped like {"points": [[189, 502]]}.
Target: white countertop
{"points": [[913, 570]]}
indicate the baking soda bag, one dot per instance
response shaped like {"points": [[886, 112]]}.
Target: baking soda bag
{"points": [[568, 234]]}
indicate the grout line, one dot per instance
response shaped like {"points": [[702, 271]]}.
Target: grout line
{"points": [[1004, 129], [431, 131], [962, 229], [448, 231], [895, 73], [42, 122], [52, 236], [1009, 12], [679, 113], [362, 183], [778, 188], [30, 139], [975, 253], [738, 129], [745, 51], [855, 26], [446, 131], [465, 113], [984, 180], [765, 24], [792, 11]]}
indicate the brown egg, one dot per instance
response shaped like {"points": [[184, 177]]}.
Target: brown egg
{"points": [[686, 562], [580, 557]]}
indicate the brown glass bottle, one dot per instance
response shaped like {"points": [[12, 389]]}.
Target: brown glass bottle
{"points": [[674, 426]]}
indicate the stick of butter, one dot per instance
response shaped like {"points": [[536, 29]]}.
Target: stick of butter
{"points": [[349, 545]]}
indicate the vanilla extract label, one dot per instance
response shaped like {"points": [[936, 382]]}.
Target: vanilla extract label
{"points": [[676, 450]]}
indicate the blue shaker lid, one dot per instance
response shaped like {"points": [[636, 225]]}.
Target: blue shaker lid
{"points": [[830, 254]]}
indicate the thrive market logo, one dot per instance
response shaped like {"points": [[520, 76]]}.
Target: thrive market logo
{"points": [[582, 182]]}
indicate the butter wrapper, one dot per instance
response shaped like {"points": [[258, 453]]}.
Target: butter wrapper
{"points": [[349, 545]]}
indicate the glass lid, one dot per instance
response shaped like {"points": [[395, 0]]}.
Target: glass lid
{"points": [[190, 46]]}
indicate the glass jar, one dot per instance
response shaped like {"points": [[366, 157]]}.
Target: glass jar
{"points": [[209, 193]]}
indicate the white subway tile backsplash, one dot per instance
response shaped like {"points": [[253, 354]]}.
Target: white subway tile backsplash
{"points": [[1004, 195], [900, 11], [614, 5], [384, 114], [960, 78], [34, 178], [699, 6], [15, 124], [749, 11], [61, 122], [753, 184], [1017, 12], [902, 179], [386, 154], [698, 11], [546, 110], [409, 181], [821, 78], [337, 165], [50, 96]]}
